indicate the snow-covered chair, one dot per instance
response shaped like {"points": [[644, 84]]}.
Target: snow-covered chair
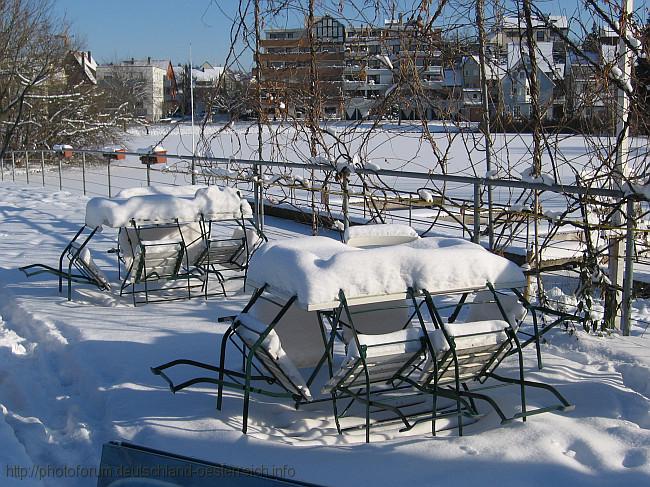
{"points": [[276, 340], [468, 352], [376, 319], [221, 253], [154, 256]]}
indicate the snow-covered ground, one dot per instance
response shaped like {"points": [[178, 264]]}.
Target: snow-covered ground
{"points": [[74, 375]]}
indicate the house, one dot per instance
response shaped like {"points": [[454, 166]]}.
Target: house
{"points": [[513, 30], [80, 68], [151, 82], [588, 95], [472, 99], [550, 78]]}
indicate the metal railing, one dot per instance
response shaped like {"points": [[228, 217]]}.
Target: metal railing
{"points": [[460, 213]]}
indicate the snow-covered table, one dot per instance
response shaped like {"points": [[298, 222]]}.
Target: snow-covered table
{"points": [[315, 269], [168, 213], [167, 204]]}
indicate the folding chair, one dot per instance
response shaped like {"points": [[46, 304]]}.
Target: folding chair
{"points": [[470, 352], [154, 263], [264, 360], [75, 265], [377, 364], [222, 253]]}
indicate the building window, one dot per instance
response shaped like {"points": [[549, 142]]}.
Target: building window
{"points": [[540, 36], [328, 28]]}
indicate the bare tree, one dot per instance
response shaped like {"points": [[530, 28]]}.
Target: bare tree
{"points": [[48, 91]]}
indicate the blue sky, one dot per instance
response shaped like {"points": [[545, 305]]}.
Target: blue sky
{"points": [[163, 29]]}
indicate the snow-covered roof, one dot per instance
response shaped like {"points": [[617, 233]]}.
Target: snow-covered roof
{"points": [[559, 21], [494, 69], [87, 63], [85, 58], [207, 74], [544, 56], [315, 268], [157, 63]]}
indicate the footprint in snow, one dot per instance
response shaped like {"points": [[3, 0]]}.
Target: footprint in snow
{"points": [[636, 457], [469, 450]]}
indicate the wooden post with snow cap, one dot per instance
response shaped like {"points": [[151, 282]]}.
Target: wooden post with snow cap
{"points": [[616, 260]]}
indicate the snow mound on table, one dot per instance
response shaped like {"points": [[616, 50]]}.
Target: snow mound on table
{"points": [[182, 191], [316, 268], [383, 230], [380, 235], [213, 203]]}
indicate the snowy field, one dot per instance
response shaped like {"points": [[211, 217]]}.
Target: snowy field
{"points": [[74, 375], [388, 147]]}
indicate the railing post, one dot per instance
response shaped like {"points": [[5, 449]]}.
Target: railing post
{"points": [[628, 280], [148, 174], [193, 169], [477, 214], [410, 209], [13, 166], [43, 167], [83, 171], [60, 175], [27, 165], [346, 208], [108, 173]]}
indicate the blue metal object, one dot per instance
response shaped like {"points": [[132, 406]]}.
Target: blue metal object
{"points": [[127, 465]]}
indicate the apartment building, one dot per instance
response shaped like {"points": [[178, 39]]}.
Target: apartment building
{"points": [[285, 66], [356, 67]]}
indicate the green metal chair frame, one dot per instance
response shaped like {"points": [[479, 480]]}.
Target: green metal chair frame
{"points": [[147, 268], [366, 379], [72, 267], [227, 253], [537, 312], [255, 359], [458, 367]]}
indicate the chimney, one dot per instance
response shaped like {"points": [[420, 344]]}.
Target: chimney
{"points": [[148, 59], [89, 56]]}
